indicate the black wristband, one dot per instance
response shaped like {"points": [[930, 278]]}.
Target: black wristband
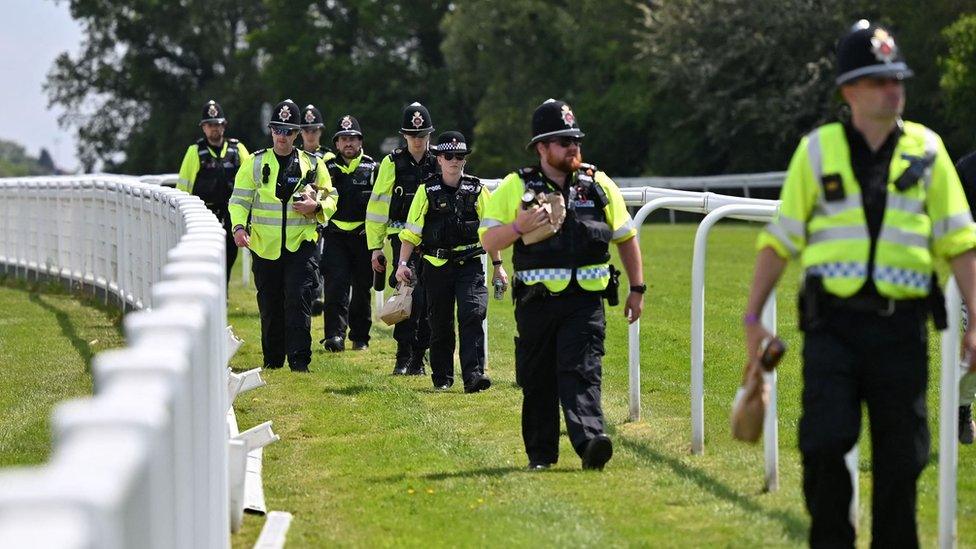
{"points": [[237, 227], [496, 262], [639, 289]]}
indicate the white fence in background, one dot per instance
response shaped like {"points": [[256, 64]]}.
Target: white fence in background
{"points": [[153, 459]]}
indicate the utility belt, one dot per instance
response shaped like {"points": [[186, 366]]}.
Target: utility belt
{"points": [[524, 293], [334, 229], [456, 256], [815, 303]]}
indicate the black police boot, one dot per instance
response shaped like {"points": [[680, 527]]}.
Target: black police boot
{"points": [[360, 346], [334, 344], [538, 466], [598, 452], [416, 365], [301, 368], [402, 360], [966, 425], [477, 384]]}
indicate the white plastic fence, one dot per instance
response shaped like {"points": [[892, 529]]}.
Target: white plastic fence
{"points": [[143, 462]]}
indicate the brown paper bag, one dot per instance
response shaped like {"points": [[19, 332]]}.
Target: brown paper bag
{"points": [[749, 406], [397, 308], [555, 206]]}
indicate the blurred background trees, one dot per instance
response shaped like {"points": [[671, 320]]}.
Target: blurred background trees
{"points": [[664, 87]]}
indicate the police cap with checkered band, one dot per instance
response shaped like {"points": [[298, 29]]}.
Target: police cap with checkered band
{"points": [[451, 142]]}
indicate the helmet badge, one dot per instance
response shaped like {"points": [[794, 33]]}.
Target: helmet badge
{"points": [[417, 120], [883, 46], [568, 117], [309, 116], [346, 123], [212, 111], [285, 113]]}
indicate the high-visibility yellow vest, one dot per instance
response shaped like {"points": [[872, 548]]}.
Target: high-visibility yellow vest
{"points": [[272, 220], [822, 218]]}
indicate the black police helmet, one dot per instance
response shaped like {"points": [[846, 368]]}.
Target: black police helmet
{"points": [[347, 125], [286, 115], [553, 118], [312, 118], [869, 50], [416, 120], [212, 114], [451, 142]]}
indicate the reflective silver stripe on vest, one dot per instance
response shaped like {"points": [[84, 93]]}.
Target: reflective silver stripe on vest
{"points": [[902, 277], [952, 223], [538, 275], [249, 193], [413, 228], [931, 148], [276, 221], [377, 218], [262, 220], [592, 273], [239, 202], [856, 232], [813, 152], [624, 230], [779, 233], [256, 175], [824, 208], [373, 197], [903, 237], [904, 203], [489, 223], [839, 269]]}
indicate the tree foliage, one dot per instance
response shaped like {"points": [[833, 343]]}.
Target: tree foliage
{"points": [[673, 87]]}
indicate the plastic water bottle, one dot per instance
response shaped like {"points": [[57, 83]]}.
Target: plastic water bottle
{"points": [[499, 289]]}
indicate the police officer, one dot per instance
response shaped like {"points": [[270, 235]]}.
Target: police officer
{"points": [[443, 221], [209, 167], [559, 286], [283, 193], [311, 131], [397, 180], [866, 206], [346, 259]]}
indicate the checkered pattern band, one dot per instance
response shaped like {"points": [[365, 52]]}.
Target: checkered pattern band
{"points": [[537, 275], [902, 277], [839, 269]]}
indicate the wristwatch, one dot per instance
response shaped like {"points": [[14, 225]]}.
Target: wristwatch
{"points": [[639, 289], [403, 263]]}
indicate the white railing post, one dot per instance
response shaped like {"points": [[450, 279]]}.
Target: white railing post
{"points": [[633, 331], [771, 420], [948, 420]]}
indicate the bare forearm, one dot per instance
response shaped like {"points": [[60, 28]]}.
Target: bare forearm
{"points": [[406, 250], [495, 256], [964, 269], [630, 255], [769, 268], [497, 239]]}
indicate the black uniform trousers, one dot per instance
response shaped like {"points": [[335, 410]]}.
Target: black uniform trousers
{"points": [[558, 359], [286, 287], [464, 284], [854, 357], [346, 263], [413, 334]]}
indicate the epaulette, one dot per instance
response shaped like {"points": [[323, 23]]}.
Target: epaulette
{"points": [[429, 177], [397, 151], [367, 158], [528, 170], [470, 179], [233, 141]]}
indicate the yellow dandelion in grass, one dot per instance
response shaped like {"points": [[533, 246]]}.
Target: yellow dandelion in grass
{"points": [[410, 490], [430, 490], [481, 500]]}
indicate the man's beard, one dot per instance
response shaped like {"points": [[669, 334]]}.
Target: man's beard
{"points": [[564, 163]]}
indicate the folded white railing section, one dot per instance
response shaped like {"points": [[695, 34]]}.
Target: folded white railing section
{"points": [[143, 462]]}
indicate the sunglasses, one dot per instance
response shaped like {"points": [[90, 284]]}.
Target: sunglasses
{"points": [[567, 141], [283, 131], [452, 156]]}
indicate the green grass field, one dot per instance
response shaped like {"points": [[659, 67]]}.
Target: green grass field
{"points": [[367, 459]]}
